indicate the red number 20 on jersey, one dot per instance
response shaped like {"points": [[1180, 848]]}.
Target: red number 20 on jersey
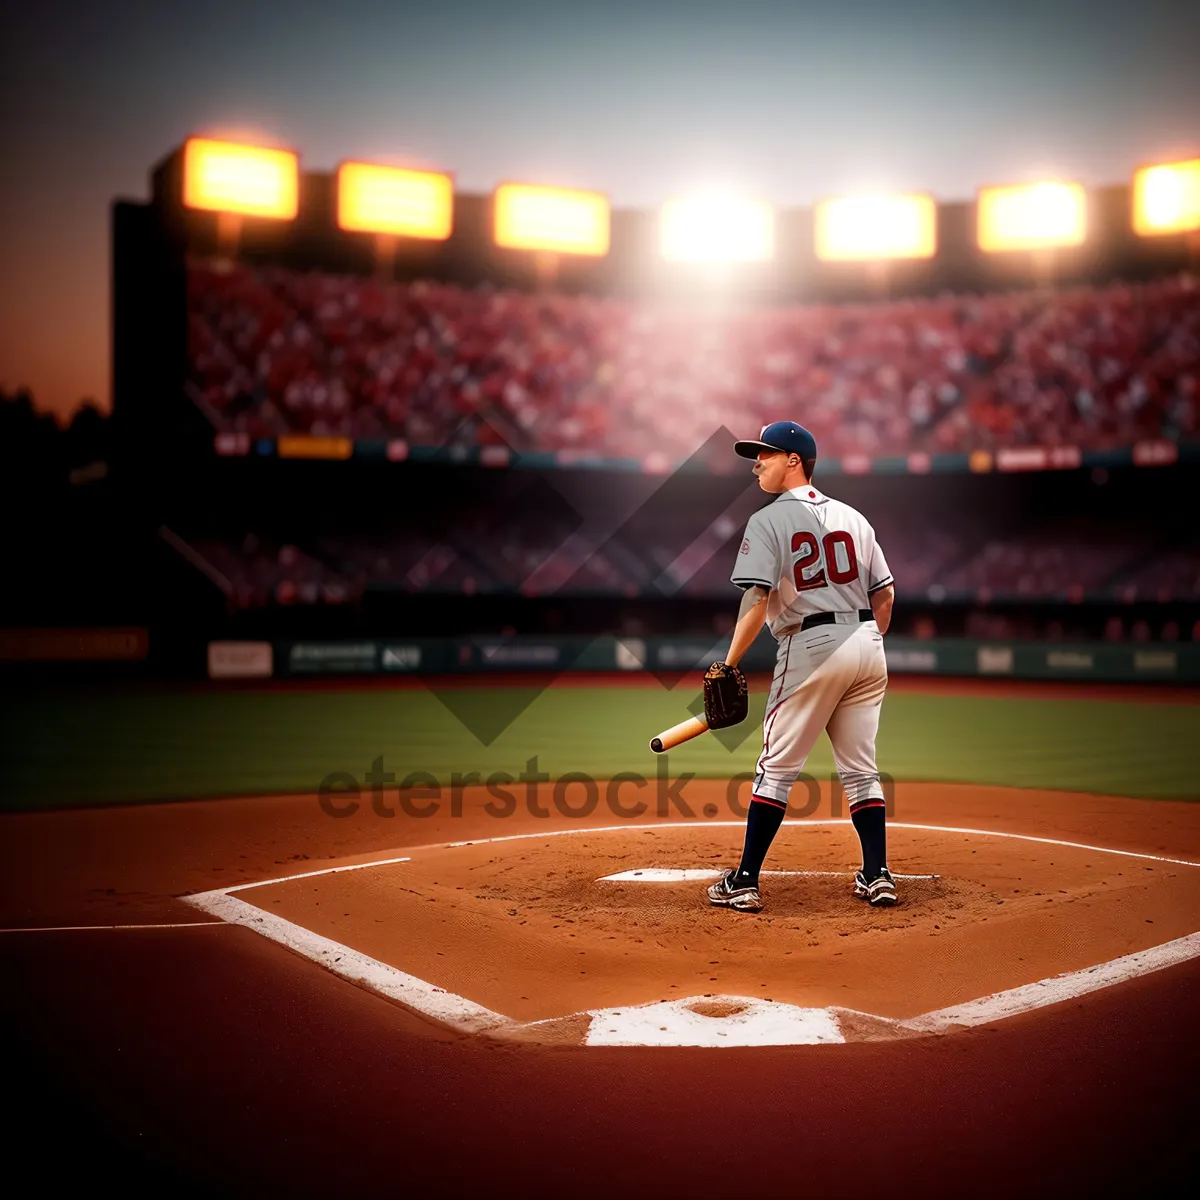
{"points": [[824, 556]]}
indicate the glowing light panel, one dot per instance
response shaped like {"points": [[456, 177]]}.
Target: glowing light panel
{"points": [[868, 228], [232, 178], [374, 199], [1032, 216], [556, 219], [1166, 198], [717, 228]]}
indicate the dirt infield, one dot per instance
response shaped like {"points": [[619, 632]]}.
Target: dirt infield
{"points": [[532, 929], [211, 1052], [91, 866]]}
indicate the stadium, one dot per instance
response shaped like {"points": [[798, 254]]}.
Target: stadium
{"points": [[414, 521]]}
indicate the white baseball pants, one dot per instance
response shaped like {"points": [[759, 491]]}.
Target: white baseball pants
{"points": [[829, 677]]}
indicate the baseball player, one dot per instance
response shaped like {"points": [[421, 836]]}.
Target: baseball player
{"points": [[811, 568]]}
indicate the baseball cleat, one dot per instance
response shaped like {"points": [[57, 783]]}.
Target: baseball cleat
{"points": [[880, 892], [723, 894]]}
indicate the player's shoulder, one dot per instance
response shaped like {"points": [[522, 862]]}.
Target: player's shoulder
{"points": [[849, 517], [764, 517], [841, 507]]}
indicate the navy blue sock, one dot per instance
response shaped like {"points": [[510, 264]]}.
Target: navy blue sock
{"points": [[869, 822], [762, 824]]}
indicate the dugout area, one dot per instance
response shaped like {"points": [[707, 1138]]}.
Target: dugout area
{"points": [[187, 1045]]}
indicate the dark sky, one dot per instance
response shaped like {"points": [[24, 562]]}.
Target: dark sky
{"points": [[641, 99]]}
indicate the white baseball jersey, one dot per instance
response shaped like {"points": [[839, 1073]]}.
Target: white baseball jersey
{"points": [[816, 555]]}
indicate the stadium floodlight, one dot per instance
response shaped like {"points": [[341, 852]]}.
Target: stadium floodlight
{"points": [[871, 228], [1166, 198], [557, 220], [252, 181], [1033, 216], [394, 201], [716, 228]]}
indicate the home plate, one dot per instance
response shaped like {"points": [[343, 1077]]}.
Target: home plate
{"points": [[734, 1021], [698, 874]]}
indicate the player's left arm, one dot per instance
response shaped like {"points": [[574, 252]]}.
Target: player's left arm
{"points": [[881, 588], [752, 612], [881, 605]]}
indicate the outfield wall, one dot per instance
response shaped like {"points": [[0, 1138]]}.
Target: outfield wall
{"points": [[1099, 662]]}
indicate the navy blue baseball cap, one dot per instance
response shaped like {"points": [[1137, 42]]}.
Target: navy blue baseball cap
{"points": [[780, 435]]}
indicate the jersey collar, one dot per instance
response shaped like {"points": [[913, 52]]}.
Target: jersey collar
{"points": [[806, 493]]}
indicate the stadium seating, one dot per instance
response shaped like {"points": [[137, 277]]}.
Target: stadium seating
{"points": [[276, 351], [1064, 562], [1057, 561], [1173, 574], [255, 573]]}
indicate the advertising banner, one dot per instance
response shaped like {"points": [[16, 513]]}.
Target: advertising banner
{"points": [[919, 661], [240, 660], [306, 658], [1100, 661], [73, 645], [994, 660], [400, 658], [513, 653]]}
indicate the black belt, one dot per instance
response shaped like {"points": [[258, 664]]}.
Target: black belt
{"points": [[828, 618]]}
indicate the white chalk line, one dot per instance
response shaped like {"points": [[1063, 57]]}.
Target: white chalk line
{"points": [[242, 887], [760, 1023], [803, 823], [699, 874], [1059, 987], [77, 928], [415, 993], [239, 887], [1025, 837]]}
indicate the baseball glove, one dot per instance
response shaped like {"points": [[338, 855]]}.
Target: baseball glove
{"points": [[725, 696]]}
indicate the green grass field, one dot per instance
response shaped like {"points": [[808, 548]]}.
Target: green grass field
{"points": [[73, 749]]}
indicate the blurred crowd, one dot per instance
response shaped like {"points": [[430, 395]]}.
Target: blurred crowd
{"points": [[1062, 560], [1067, 563], [275, 351]]}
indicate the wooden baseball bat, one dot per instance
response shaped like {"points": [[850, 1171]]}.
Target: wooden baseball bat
{"points": [[678, 734]]}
